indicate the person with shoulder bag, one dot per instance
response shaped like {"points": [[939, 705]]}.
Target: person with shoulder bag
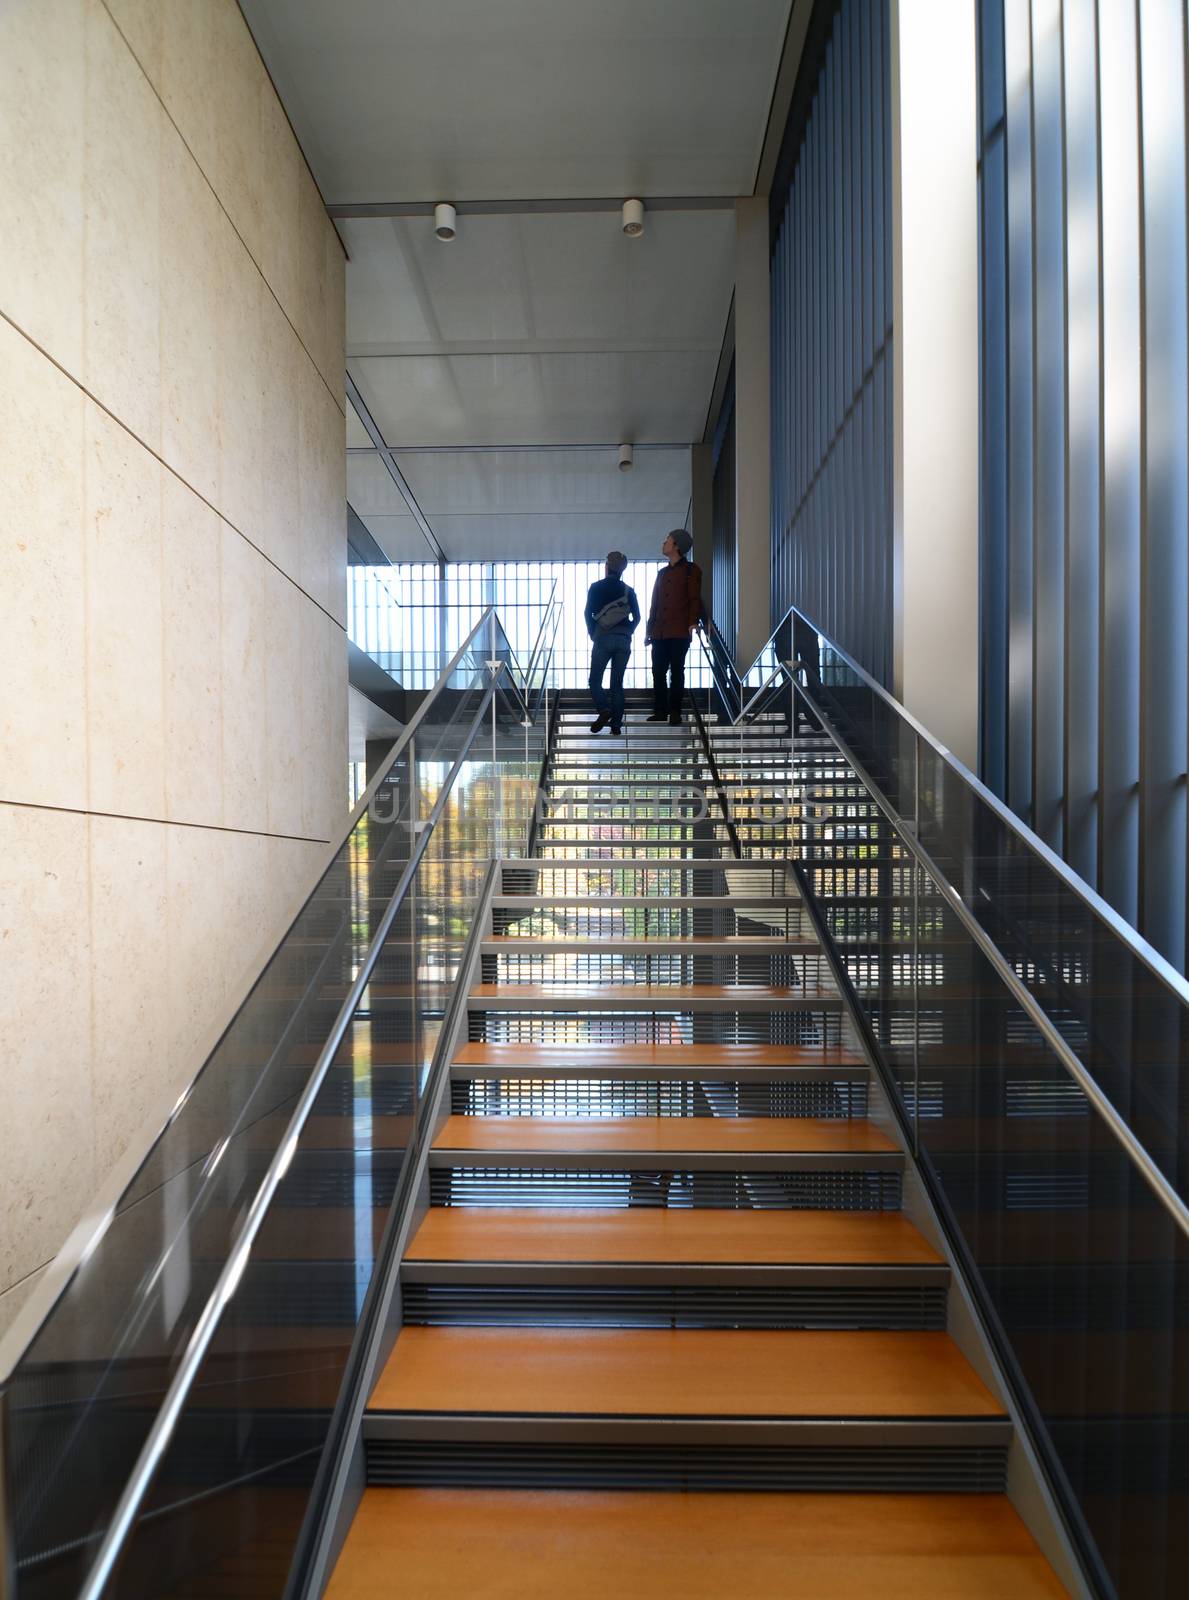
{"points": [[612, 614]]}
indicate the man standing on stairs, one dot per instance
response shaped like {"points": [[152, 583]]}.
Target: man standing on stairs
{"points": [[675, 612], [612, 614]]}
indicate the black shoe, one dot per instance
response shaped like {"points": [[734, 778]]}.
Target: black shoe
{"points": [[618, 732], [600, 722], [658, 716], [675, 720]]}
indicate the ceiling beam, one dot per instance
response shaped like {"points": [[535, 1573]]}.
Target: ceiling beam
{"points": [[782, 93], [394, 471], [534, 347], [502, 449], [512, 208], [725, 356]]}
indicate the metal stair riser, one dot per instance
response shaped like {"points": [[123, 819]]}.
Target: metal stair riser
{"points": [[829, 1094], [940, 1458], [862, 1184], [876, 1304], [804, 971], [805, 1029]]}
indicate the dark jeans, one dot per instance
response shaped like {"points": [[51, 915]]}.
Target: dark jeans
{"points": [[614, 648], [668, 657]]}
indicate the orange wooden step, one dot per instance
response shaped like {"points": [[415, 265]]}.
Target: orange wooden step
{"points": [[441, 1544], [746, 1238], [679, 1135], [690, 1372]]}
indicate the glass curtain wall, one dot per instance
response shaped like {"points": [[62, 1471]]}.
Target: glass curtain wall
{"points": [[832, 337], [435, 607], [726, 599], [1085, 440]]}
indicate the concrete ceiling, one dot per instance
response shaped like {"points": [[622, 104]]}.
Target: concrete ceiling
{"points": [[530, 505], [538, 329], [524, 99], [539, 325]]}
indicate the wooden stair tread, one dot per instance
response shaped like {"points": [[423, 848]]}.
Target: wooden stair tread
{"points": [[509, 1544], [690, 1372], [679, 1135], [683, 1058], [524, 1234]]}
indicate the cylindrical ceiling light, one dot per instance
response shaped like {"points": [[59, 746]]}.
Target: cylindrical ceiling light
{"points": [[625, 458], [633, 218], [443, 221]]}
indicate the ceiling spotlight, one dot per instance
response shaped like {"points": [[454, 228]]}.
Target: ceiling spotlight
{"points": [[633, 218], [443, 221], [625, 458]]}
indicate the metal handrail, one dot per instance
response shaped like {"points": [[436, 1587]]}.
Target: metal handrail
{"points": [[714, 633], [161, 1432], [313, 1553], [534, 827], [716, 778], [1020, 993], [1151, 958], [728, 695], [549, 622], [532, 660], [1157, 964], [778, 671], [85, 1236], [543, 691]]}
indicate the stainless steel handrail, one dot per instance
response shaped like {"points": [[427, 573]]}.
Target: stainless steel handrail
{"points": [[532, 660], [727, 693], [155, 1445], [1148, 1169], [778, 671], [85, 1236], [543, 690], [1122, 929], [316, 1548], [1140, 948]]}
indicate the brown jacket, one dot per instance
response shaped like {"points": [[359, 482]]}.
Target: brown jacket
{"points": [[676, 601]]}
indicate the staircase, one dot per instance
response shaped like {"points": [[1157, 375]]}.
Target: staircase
{"points": [[664, 1248]]}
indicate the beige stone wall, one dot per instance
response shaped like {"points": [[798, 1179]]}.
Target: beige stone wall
{"points": [[172, 544]]}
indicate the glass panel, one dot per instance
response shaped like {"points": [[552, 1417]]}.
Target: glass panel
{"points": [[1127, 1025], [410, 616], [1084, 1271], [84, 1397]]}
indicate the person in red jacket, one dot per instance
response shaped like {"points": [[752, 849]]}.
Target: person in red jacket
{"points": [[675, 612]]}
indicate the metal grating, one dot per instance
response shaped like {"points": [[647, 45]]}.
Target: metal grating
{"points": [[662, 1026], [895, 1469], [815, 1190], [746, 969], [1047, 1097], [908, 1308], [630, 1097], [666, 921]]}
